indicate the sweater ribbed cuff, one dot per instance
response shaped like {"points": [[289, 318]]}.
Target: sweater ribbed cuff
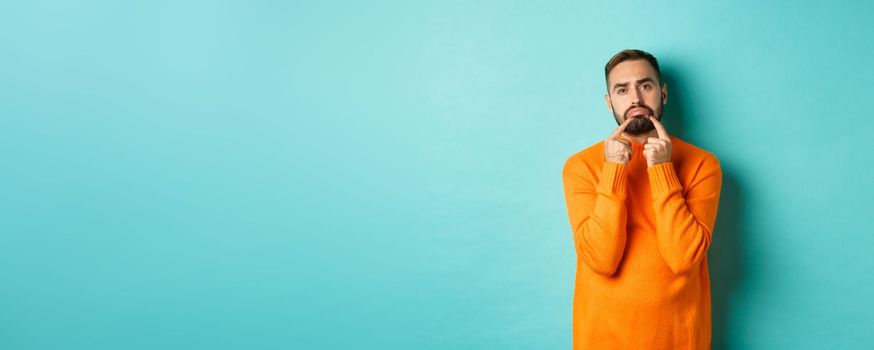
{"points": [[614, 179], [663, 179]]}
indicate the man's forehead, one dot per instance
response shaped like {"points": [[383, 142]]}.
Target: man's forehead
{"points": [[631, 71]]}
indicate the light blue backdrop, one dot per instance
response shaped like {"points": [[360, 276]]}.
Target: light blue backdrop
{"points": [[374, 175]]}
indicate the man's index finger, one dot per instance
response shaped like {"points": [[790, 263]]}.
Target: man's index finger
{"points": [[621, 128], [660, 129]]}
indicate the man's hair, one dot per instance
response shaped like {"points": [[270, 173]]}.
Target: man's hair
{"points": [[630, 55]]}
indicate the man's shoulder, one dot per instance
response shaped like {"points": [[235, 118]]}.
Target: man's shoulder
{"points": [[592, 153], [686, 150], [584, 163]]}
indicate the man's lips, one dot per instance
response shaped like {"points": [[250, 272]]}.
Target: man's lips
{"points": [[638, 112]]}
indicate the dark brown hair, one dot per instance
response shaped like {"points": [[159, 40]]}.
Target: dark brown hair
{"points": [[630, 55]]}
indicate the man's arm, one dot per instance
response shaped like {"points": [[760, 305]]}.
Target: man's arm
{"points": [[597, 213], [684, 225]]}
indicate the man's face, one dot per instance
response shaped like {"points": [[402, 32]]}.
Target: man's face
{"points": [[633, 92]]}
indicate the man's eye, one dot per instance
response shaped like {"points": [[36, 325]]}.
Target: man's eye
{"points": [[646, 86], [621, 91]]}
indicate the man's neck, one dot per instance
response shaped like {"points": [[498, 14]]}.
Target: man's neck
{"points": [[640, 139]]}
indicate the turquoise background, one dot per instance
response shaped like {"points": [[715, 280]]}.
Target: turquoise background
{"points": [[387, 175]]}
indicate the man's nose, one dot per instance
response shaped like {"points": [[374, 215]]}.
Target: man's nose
{"points": [[637, 97]]}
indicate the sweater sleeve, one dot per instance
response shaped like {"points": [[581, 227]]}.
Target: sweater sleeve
{"points": [[597, 213], [684, 224]]}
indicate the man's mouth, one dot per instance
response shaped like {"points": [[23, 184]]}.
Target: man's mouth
{"points": [[638, 112]]}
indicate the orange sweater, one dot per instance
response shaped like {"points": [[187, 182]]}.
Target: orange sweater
{"points": [[641, 235]]}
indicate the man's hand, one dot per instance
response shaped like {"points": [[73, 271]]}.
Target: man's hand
{"points": [[617, 150], [657, 150]]}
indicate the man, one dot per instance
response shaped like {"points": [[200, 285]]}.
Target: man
{"points": [[642, 205]]}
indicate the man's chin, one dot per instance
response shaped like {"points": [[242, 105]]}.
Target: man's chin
{"points": [[637, 127]]}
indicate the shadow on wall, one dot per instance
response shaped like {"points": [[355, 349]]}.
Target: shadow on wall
{"points": [[674, 117], [724, 256]]}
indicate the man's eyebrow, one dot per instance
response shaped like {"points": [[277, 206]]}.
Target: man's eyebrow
{"points": [[647, 79], [618, 85]]}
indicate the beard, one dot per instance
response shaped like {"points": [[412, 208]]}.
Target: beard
{"points": [[640, 125]]}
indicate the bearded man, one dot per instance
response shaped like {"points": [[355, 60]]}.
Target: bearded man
{"points": [[642, 206]]}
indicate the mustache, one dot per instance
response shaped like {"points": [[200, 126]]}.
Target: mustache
{"points": [[625, 115]]}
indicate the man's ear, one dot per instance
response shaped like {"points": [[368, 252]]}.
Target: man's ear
{"points": [[664, 93], [609, 103]]}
